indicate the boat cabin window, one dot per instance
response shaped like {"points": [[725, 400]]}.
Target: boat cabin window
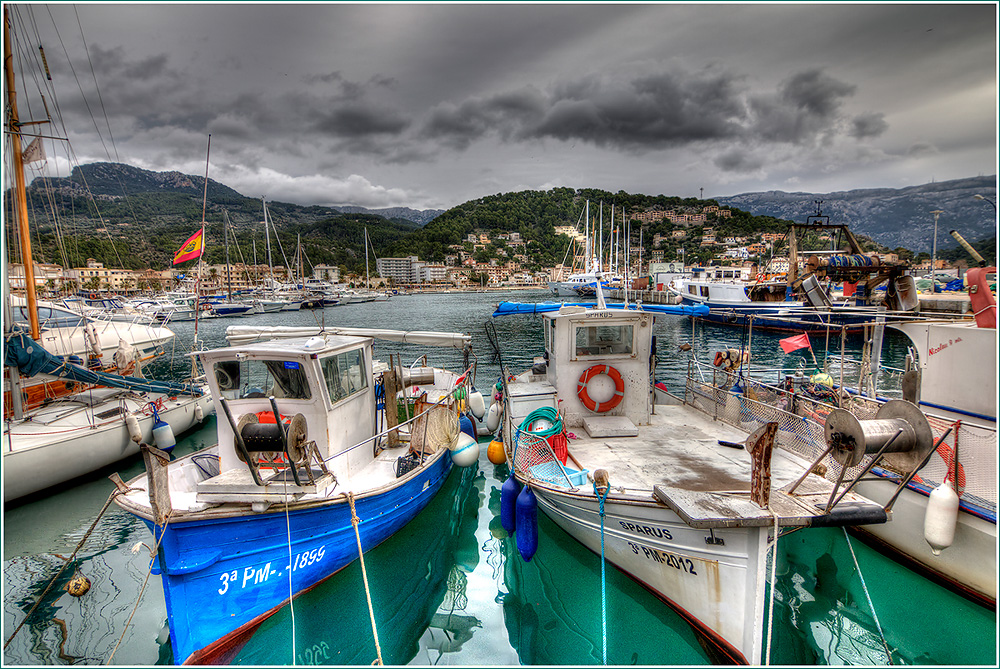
{"points": [[704, 291], [344, 374], [240, 379], [603, 340]]}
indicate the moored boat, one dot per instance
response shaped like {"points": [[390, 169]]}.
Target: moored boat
{"points": [[687, 505], [273, 509]]}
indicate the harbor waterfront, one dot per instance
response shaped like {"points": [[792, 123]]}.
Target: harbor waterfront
{"points": [[450, 588]]}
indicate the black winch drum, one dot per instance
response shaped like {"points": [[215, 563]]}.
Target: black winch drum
{"points": [[267, 437], [853, 438]]}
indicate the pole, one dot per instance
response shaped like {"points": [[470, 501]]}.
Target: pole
{"points": [[20, 198], [936, 212], [201, 258]]}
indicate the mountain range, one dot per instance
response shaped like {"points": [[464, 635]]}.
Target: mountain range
{"points": [[893, 217], [152, 212]]}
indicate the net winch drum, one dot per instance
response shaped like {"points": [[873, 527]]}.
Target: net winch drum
{"points": [[271, 440], [852, 439]]}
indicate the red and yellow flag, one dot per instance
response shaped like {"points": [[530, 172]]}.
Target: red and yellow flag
{"points": [[192, 248]]}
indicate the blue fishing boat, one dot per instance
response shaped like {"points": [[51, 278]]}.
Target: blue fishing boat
{"points": [[280, 504]]}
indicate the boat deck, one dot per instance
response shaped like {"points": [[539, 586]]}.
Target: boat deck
{"points": [[678, 460]]}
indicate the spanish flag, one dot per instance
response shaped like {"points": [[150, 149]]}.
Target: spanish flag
{"points": [[191, 248]]}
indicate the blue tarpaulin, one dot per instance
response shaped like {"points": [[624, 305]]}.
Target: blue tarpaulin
{"points": [[21, 351]]}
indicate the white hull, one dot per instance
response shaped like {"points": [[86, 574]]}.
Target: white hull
{"points": [[969, 563], [715, 588], [66, 440]]}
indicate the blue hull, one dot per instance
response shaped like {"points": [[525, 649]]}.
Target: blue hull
{"points": [[770, 321], [223, 577]]}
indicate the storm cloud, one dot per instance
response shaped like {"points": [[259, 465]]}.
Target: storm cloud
{"points": [[431, 105]]}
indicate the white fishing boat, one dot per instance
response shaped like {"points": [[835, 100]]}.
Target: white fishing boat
{"points": [[687, 505], [953, 380], [306, 442]]}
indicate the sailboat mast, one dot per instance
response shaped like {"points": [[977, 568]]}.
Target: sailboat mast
{"points": [[586, 234], [367, 282], [20, 197], [229, 271], [267, 242]]}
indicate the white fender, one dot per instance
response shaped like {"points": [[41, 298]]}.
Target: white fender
{"points": [[465, 452], [493, 417], [199, 413], [941, 517], [134, 431], [93, 340], [477, 405]]}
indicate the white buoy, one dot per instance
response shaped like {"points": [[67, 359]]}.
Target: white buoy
{"points": [[134, 431], [477, 405], [465, 451], [493, 417], [941, 517]]}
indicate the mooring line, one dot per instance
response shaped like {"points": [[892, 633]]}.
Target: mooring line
{"points": [[149, 572], [38, 601], [364, 574], [864, 587]]}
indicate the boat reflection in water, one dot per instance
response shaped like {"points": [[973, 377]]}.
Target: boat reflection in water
{"points": [[413, 581]]}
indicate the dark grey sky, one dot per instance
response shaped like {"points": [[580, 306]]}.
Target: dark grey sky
{"points": [[432, 105]]}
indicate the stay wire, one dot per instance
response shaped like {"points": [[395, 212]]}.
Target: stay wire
{"points": [[604, 595]]}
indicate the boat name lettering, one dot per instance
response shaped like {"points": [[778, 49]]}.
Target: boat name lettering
{"points": [[683, 564], [646, 529], [250, 575], [944, 345], [599, 314]]}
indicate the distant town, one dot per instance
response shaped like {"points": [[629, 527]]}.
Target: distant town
{"points": [[460, 269]]}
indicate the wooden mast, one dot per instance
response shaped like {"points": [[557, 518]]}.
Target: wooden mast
{"points": [[20, 198]]}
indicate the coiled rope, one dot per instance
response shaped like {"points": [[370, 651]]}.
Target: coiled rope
{"points": [[604, 598], [543, 413], [864, 587], [364, 574], [52, 582]]}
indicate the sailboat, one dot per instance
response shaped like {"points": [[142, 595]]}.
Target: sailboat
{"points": [[571, 286], [98, 418]]}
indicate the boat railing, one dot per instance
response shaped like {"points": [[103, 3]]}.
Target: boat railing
{"points": [[964, 453]]}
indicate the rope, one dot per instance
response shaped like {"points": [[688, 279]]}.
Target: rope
{"points": [[543, 413], [38, 601], [770, 605], [868, 597], [288, 531], [135, 607], [604, 598], [364, 574]]}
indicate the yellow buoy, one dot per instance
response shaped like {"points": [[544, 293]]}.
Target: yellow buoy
{"points": [[496, 453], [78, 586]]}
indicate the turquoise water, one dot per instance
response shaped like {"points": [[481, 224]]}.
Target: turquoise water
{"points": [[450, 588]]}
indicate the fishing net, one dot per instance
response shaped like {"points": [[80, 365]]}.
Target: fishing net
{"points": [[801, 430], [534, 457]]}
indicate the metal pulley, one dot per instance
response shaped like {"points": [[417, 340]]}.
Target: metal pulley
{"points": [[852, 439]]}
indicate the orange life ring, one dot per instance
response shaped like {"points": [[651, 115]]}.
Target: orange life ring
{"points": [[93, 296], [205, 306], [597, 370]]}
